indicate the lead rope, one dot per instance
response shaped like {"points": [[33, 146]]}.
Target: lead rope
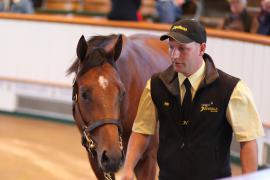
{"points": [[108, 176]]}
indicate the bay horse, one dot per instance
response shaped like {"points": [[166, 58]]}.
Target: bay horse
{"points": [[110, 75]]}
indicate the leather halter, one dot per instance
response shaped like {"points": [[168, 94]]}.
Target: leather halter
{"points": [[87, 141]]}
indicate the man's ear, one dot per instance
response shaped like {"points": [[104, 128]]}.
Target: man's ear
{"points": [[202, 49]]}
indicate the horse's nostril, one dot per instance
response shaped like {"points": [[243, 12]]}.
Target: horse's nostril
{"points": [[105, 159], [122, 158], [110, 163]]}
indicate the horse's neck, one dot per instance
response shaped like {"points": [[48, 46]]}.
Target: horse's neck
{"points": [[130, 66]]}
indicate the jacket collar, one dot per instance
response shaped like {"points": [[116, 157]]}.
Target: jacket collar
{"points": [[170, 80]]}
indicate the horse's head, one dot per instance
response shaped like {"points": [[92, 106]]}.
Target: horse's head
{"points": [[97, 96]]}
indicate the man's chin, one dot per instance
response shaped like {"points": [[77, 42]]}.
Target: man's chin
{"points": [[178, 68]]}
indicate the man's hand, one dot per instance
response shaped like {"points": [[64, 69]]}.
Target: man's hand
{"points": [[136, 146], [127, 174]]}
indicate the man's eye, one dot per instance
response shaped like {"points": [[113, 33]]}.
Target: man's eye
{"points": [[182, 49], [170, 49]]}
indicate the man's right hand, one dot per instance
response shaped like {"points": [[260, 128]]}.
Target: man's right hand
{"points": [[136, 147], [127, 174]]}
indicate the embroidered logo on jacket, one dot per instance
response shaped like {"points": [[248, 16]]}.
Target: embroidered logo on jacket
{"points": [[209, 107]]}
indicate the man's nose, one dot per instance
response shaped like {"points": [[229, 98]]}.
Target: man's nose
{"points": [[175, 53]]}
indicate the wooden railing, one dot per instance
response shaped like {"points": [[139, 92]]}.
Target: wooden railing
{"points": [[246, 37], [67, 5]]}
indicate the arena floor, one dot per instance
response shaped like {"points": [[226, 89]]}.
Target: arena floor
{"points": [[32, 149]]}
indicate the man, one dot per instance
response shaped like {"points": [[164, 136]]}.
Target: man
{"points": [[239, 19], [169, 10], [194, 137], [264, 18]]}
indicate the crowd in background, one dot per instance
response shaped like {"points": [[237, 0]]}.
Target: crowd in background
{"points": [[233, 14]]}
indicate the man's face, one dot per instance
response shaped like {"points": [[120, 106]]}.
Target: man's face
{"points": [[186, 58], [266, 5], [237, 6]]}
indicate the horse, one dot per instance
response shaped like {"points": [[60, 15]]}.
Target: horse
{"points": [[110, 74]]}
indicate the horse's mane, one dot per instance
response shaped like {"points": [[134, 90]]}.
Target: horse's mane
{"points": [[93, 43]]}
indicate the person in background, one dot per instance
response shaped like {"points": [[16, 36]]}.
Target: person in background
{"points": [[239, 19], [169, 11], [124, 10], [210, 8], [4, 5], [198, 108], [22, 6], [17, 6], [264, 18]]}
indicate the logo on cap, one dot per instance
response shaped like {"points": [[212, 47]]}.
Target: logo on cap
{"points": [[180, 28]]}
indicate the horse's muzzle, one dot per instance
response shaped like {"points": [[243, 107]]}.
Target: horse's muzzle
{"points": [[111, 163]]}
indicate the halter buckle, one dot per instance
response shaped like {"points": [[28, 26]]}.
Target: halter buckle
{"points": [[107, 176], [91, 145], [121, 142]]}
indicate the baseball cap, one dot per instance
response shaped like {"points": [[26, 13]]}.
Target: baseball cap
{"points": [[186, 31]]}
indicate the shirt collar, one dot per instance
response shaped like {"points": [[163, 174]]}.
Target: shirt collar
{"points": [[195, 79]]}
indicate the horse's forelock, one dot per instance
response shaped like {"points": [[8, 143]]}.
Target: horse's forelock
{"points": [[101, 41], [96, 57], [74, 67]]}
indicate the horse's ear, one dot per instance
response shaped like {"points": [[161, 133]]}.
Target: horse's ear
{"points": [[118, 47], [81, 48]]}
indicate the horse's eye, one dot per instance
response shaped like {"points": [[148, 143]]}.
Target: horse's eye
{"points": [[85, 96], [122, 95]]}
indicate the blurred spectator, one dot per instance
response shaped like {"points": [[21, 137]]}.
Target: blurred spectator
{"points": [[264, 18], [239, 19], [211, 8], [17, 6], [37, 3], [169, 11], [125, 10], [2, 6], [22, 6]]}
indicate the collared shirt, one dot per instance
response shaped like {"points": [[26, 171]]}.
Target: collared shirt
{"points": [[241, 112]]}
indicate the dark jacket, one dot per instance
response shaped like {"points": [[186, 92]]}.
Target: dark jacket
{"points": [[200, 149], [264, 23], [125, 10]]}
